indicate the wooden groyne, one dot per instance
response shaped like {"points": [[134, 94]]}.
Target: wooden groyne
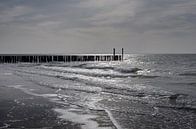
{"points": [[56, 58], [35, 58]]}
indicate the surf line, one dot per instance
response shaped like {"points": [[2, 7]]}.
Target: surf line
{"points": [[115, 123]]}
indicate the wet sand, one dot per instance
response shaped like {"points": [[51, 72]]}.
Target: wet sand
{"points": [[33, 96], [27, 104], [20, 110]]}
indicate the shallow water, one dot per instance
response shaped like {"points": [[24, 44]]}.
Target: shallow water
{"points": [[143, 91]]}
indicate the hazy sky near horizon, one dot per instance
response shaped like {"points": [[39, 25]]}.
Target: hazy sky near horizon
{"points": [[96, 26]]}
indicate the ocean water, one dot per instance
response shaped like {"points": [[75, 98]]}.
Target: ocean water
{"points": [[142, 92]]}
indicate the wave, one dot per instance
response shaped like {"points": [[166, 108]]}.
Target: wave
{"points": [[121, 70], [185, 83], [188, 74], [192, 83], [186, 108], [116, 73], [86, 85], [177, 96], [144, 76], [82, 81], [29, 64], [106, 85], [110, 75], [80, 88], [96, 67], [131, 70]]}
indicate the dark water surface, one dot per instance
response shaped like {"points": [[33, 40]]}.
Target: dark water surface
{"points": [[142, 92]]}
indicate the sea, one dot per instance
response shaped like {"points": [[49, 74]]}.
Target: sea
{"points": [[144, 91]]}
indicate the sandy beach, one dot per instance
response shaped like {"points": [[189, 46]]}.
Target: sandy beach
{"points": [[96, 95], [27, 104], [19, 110], [97, 64]]}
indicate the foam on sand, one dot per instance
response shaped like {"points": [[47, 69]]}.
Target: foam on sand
{"points": [[85, 120]]}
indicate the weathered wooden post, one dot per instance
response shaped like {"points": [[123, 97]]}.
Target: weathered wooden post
{"points": [[114, 53], [122, 54]]}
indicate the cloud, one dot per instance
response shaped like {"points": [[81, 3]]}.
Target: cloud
{"points": [[12, 14], [136, 15], [166, 16], [108, 12], [130, 23]]}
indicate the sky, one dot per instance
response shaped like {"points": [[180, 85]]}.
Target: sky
{"points": [[97, 26]]}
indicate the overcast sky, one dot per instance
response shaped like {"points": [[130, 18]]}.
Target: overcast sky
{"points": [[96, 26]]}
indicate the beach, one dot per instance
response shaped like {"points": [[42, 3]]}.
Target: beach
{"points": [[140, 92], [25, 104], [19, 110]]}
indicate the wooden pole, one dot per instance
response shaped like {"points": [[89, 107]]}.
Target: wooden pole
{"points": [[122, 54], [114, 53]]}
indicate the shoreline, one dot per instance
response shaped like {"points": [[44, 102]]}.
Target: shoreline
{"points": [[59, 95], [33, 105], [21, 110]]}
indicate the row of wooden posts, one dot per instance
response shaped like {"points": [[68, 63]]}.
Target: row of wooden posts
{"points": [[9, 58]]}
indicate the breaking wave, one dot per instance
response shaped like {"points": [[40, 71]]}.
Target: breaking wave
{"points": [[188, 74]]}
